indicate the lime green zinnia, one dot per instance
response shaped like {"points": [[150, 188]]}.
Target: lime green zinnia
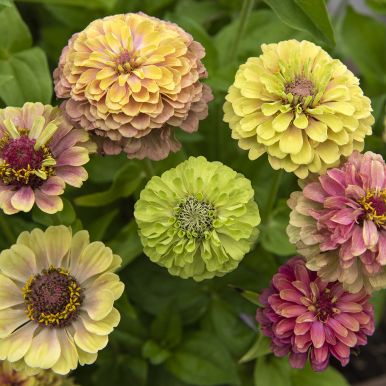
{"points": [[299, 105], [198, 220]]}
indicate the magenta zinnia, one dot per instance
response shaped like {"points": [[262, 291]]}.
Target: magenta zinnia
{"points": [[339, 223], [40, 152], [131, 80], [311, 319]]}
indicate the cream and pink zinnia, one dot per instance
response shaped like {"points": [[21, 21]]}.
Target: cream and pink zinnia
{"points": [[338, 223], [308, 318], [40, 152], [132, 80]]}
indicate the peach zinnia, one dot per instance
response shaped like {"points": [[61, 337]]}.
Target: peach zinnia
{"points": [[131, 80], [40, 152]]}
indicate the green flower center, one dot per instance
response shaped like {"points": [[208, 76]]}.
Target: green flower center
{"points": [[300, 87], [195, 216]]}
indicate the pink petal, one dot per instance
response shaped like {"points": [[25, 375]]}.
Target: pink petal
{"points": [[358, 245], [377, 176], [307, 317], [350, 307], [370, 234], [73, 176], [337, 327], [381, 258], [291, 295], [298, 361], [48, 204], [23, 199], [54, 186], [284, 326], [75, 156], [348, 321], [332, 187], [293, 311], [302, 328], [350, 340], [317, 334], [314, 192], [345, 216]]}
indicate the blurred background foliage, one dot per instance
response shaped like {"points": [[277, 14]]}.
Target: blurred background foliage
{"points": [[177, 332]]}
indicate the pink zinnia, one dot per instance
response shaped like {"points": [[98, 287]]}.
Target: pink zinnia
{"points": [[308, 318], [40, 152], [339, 223]]}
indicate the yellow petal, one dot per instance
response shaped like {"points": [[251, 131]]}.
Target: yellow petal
{"points": [[282, 121], [291, 140]]}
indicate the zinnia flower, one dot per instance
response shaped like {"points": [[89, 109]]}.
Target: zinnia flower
{"points": [[131, 80], [339, 223], [299, 105], [12, 377], [197, 220], [39, 153], [311, 319], [57, 292]]}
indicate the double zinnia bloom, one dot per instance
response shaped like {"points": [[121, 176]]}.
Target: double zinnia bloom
{"points": [[299, 105], [131, 80], [311, 319], [57, 292], [338, 222], [198, 220]]}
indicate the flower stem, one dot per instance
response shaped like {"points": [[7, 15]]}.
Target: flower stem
{"points": [[243, 19], [149, 168], [6, 229], [273, 194]]}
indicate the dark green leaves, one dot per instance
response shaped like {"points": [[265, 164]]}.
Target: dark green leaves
{"points": [[24, 71], [327, 378], [202, 360], [305, 15]]}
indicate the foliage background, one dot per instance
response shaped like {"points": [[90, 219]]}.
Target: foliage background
{"points": [[177, 332]]}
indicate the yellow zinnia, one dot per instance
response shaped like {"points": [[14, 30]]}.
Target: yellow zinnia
{"points": [[299, 105], [57, 292]]}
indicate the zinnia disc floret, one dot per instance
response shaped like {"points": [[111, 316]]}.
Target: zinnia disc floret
{"points": [[300, 106], [57, 294], [40, 152], [131, 80], [309, 319], [198, 220], [338, 222]]}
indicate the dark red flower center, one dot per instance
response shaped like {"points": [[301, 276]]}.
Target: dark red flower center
{"points": [[53, 298], [374, 205], [19, 153], [300, 87], [324, 306], [22, 164]]}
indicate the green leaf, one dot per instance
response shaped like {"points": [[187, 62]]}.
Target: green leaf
{"points": [[66, 217], [93, 4], [228, 326], [261, 347], [270, 370], [203, 360], [155, 353], [317, 11], [14, 33], [251, 296], [166, 329], [305, 15], [364, 46], [127, 243], [99, 227], [326, 378], [125, 183], [29, 78], [274, 235], [378, 299]]}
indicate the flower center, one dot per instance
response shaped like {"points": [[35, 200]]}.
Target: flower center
{"points": [[300, 87], [22, 164], [374, 205], [195, 216], [125, 63], [52, 298], [324, 306]]}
